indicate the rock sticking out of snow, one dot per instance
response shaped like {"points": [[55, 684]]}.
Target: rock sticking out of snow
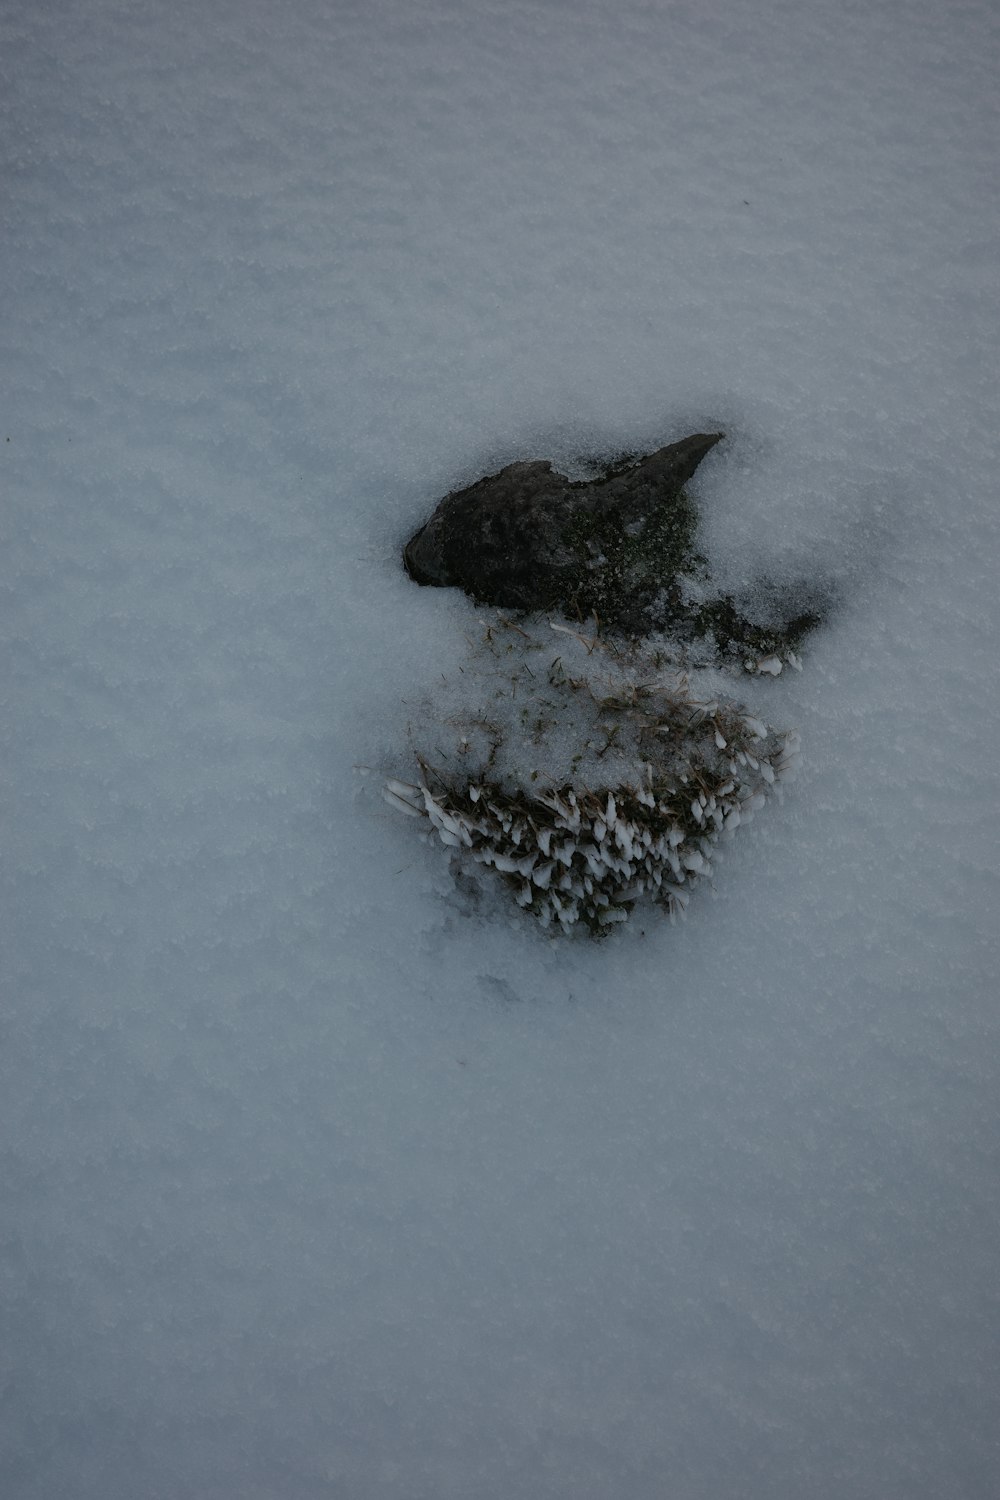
{"points": [[621, 545]]}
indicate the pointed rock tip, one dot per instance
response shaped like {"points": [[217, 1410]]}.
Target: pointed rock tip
{"points": [[690, 450]]}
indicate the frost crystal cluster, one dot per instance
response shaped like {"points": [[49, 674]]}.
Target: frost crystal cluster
{"points": [[592, 779]]}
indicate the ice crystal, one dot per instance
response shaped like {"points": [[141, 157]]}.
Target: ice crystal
{"points": [[592, 781]]}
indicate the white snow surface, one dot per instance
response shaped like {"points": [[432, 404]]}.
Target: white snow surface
{"points": [[314, 1183]]}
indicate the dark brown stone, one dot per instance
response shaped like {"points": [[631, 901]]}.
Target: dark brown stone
{"points": [[620, 547], [530, 538]]}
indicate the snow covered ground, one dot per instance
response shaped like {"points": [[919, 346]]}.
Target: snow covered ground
{"points": [[314, 1184]]}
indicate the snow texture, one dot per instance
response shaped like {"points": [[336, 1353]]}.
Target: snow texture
{"points": [[315, 1183]]}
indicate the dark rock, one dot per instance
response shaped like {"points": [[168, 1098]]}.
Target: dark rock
{"points": [[529, 538], [621, 546]]}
